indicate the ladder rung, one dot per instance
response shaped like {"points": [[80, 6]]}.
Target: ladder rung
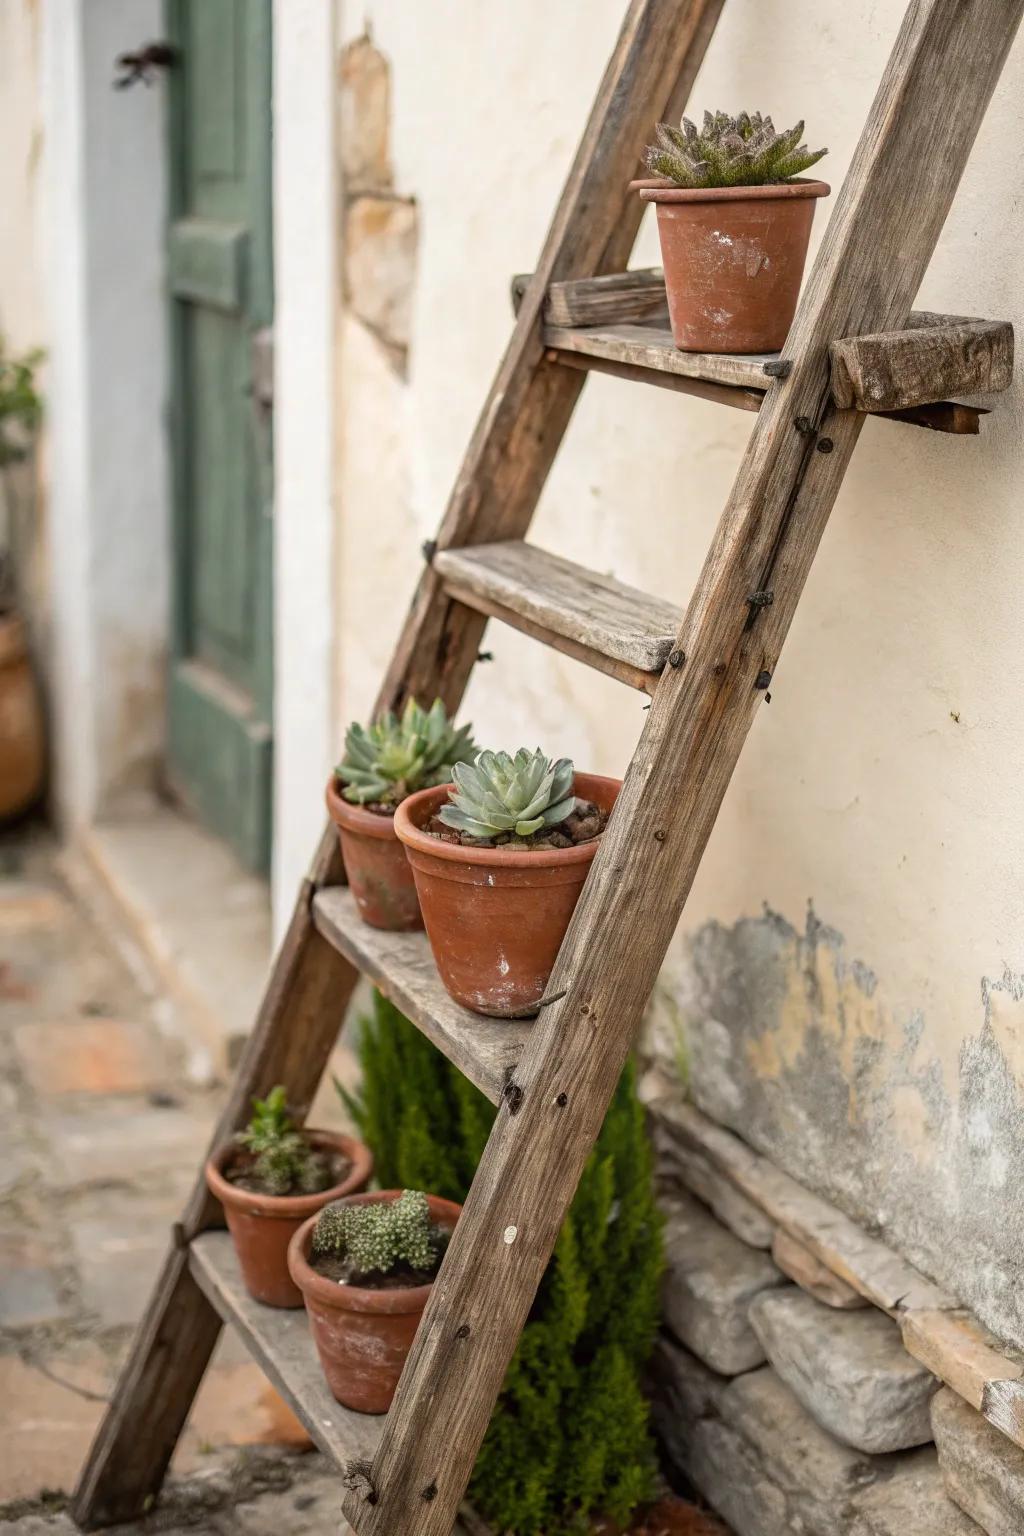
{"points": [[650, 346], [401, 965], [595, 618], [279, 1340]]}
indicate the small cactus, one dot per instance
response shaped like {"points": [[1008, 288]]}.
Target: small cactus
{"points": [[501, 794], [394, 757], [378, 1237], [283, 1160], [743, 151]]}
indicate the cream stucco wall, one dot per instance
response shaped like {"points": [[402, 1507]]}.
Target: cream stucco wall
{"points": [[877, 1048]]}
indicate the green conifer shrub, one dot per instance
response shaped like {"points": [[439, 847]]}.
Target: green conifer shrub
{"points": [[569, 1438]]}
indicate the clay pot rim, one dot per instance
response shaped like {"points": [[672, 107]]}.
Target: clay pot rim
{"points": [[288, 1207], [417, 807], [359, 1298], [653, 191], [356, 818]]}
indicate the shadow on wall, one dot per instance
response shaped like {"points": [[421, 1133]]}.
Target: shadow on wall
{"points": [[790, 1043]]}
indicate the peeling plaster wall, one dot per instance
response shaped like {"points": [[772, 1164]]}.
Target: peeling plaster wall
{"points": [[885, 1067]]}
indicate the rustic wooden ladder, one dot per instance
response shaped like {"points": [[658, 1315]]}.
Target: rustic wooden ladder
{"points": [[707, 671]]}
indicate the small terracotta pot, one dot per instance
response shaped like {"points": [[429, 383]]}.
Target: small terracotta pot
{"points": [[734, 259], [496, 917], [375, 865], [362, 1336], [22, 742], [262, 1226]]}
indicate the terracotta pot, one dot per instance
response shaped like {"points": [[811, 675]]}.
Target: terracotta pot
{"points": [[733, 259], [262, 1226], [375, 865], [22, 740], [362, 1336], [496, 917]]}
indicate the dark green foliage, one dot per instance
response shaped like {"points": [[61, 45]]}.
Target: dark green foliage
{"points": [[742, 151], [20, 406], [569, 1437], [282, 1157]]}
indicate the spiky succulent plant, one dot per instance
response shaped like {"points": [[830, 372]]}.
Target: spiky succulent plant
{"points": [[499, 794], [282, 1157], [377, 1237], [396, 756], [743, 151]]}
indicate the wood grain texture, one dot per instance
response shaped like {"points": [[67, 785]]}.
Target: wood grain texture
{"points": [[903, 176], [298, 1024], [651, 347], [402, 966], [656, 58], [280, 1342], [984, 1371], [563, 598], [613, 298], [680, 384], [896, 370]]}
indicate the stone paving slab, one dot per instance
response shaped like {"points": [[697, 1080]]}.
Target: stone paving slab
{"points": [[983, 1471], [849, 1370]]}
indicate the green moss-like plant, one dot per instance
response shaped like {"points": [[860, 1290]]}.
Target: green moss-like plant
{"points": [[282, 1157], [378, 1238], [742, 151], [569, 1438]]}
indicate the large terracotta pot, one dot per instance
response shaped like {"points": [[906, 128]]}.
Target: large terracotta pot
{"points": [[262, 1226], [362, 1336], [496, 917], [375, 865], [22, 741], [734, 259]]}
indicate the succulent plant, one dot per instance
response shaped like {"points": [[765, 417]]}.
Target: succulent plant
{"points": [[377, 1237], [395, 757], [743, 151], [499, 794], [282, 1157]]}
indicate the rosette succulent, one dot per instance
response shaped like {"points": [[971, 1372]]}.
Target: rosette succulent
{"points": [[394, 757], [743, 151], [378, 1237], [500, 795]]}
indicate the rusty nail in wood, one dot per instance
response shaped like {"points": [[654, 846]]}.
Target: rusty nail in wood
{"points": [[763, 679], [462, 1331], [825, 445], [513, 1096], [676, 658], [562, 1100], [767, 698], [778, 368], [485, 655], [761, 599], [803, 424], [660, 836], [429, 548], [430, 1492]]}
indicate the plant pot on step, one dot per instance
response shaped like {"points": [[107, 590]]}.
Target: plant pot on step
{"points": [[22, 742], [733, 258], [496, 917], [362, 1334], [263, 1225], [376, 867]]}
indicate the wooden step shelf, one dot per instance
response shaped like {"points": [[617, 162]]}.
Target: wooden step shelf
{"points": [[591, 617], [401, 965], [896, 375], [280, 1342]]}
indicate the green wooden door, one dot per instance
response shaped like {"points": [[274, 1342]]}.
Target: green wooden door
{"points": [[220, 273]]}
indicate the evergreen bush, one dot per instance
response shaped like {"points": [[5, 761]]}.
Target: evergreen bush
{"points": [[569, 1438]]}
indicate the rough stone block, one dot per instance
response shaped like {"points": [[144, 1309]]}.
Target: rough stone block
{"points": [[380, 244], [849, 1369], [365, 118], [679, 1164], [912, 1502], [711, 1279], [811, 1275], [982, 1471]]}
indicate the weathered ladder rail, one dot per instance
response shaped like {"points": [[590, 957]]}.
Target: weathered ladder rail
{"points": [[919, 133]]}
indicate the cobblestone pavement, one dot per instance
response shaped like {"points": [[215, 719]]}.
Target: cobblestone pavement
{"points": [[100, 1138]]}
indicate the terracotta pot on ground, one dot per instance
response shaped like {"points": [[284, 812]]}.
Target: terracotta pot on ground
{"points": [[22, 750], [496, 917], [362, 1335], [733, 259], [375, 865], [262, 1226]]}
